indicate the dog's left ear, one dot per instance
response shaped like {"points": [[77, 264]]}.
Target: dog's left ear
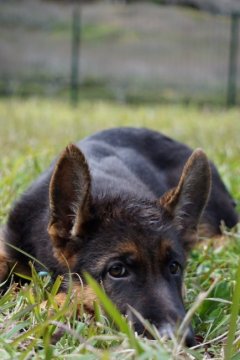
{"points": [[186, 202], [69, 199]]}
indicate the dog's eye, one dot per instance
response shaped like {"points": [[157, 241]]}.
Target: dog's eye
{"points": [[174, 268], [117, 271]]}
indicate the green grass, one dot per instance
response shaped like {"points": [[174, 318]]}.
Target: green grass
{"points": [[32, 133]]}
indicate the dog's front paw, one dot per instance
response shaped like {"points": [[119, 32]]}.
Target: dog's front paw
{"points": [[81, 299]]}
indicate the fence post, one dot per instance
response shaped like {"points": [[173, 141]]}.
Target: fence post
{"points": [[75, 56], [233, 61]]}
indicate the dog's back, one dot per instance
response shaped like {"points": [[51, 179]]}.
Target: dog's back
{"points": [[147, 163]]}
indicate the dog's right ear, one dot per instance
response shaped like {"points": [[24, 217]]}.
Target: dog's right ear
{"points": [[185, 203], [69, 198]]}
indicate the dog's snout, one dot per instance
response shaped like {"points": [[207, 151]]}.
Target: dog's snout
{"points": [[166, 330], [169, 332], [190, 339]]}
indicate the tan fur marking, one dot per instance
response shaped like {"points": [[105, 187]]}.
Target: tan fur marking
{"points": [[62, 249], [58, 235], [65, 257], [169, 197], [206, 230], [4, 266], [219, 241], [165, 247], [215, 241], [128, 248], [83, 296]]}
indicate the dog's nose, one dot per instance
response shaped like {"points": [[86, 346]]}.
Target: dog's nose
{"points": [[190, 339], [168, 331]]}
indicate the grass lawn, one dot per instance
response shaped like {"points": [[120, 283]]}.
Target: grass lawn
{"points": [[32, 133]]}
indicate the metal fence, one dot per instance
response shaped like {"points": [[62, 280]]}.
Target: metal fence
{"points": [[129, 53]]}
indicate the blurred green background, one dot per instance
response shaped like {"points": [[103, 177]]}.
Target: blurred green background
{"points": [[129, 51]]}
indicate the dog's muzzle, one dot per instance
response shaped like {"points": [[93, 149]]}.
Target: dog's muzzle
{"points": [[169, 332]]}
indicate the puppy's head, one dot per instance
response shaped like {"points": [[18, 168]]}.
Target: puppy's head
{"points": [[136, 247]]}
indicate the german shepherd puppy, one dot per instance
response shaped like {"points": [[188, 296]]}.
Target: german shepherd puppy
{"points": [[121, 206]]}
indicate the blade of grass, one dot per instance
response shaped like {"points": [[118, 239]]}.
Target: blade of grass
{"points": [[187, 319], [228, 351], [114, 314]]}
